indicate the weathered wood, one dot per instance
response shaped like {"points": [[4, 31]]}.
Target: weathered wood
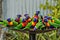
{"points": [[34, 32], [32, 36]]}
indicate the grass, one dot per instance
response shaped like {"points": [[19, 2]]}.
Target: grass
{"points": [[53, 35]]}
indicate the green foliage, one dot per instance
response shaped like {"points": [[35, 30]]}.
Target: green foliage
{"points": [[55, 9]]}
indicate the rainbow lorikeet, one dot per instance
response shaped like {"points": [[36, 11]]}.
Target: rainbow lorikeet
{"points": [[28, 25], [21, 25], [18, 19], [55, 25], [46, 23], [51, 22], [31, 25], [36, 15], [7, 22], [11, 22], [28, 19], [39, 25]]}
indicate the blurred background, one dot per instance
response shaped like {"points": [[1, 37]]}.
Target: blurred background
{"points": [[10, 8]]}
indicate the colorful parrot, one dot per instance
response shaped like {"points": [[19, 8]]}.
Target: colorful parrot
{"points": [[21, 25], [28, 19], [18, 19]]}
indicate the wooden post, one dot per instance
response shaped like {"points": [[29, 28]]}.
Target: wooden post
{"points": [[32, 35]]}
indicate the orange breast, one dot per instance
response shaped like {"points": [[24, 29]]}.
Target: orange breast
{"points": [[26, 21], [52, 21], [47, 24], [33, 23], [36, 17], [29, 20], [24, 24], [10, 23]]}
